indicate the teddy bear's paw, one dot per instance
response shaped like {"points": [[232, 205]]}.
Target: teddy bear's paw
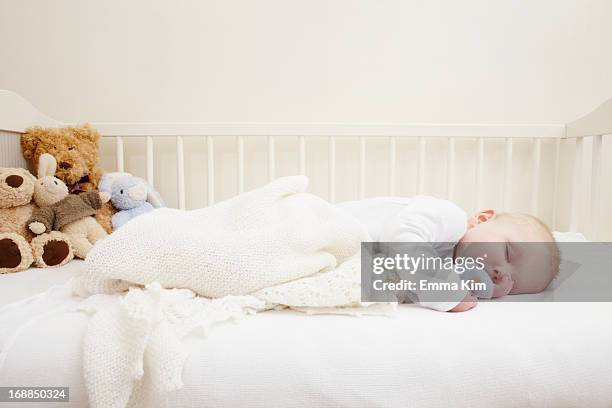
{"points": [[104, 216], [37, 227], [105, 197], [55, 253], [15, 253], [52, 250]]}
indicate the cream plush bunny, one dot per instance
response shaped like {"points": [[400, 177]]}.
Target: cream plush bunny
{"points": [[68, 213]]}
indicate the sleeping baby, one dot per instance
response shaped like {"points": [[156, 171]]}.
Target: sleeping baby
{"points": [[518, 251]]}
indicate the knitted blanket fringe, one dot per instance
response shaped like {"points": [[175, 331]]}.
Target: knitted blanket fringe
{"points": [[186, 271]]}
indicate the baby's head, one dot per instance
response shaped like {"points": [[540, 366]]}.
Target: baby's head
{"points": [[516, 245]]}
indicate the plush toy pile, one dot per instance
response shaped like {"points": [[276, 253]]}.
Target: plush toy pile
{"points": [[60, 210], [75, 148], [47, 222], [19, 247]]}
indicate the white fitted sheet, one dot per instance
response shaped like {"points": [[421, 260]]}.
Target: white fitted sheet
{"points": [[499, 354], [20, 285], [510, 354]]}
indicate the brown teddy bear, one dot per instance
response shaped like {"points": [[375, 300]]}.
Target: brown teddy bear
{"points": [[18, 247], [75, 149], [68, 213]]}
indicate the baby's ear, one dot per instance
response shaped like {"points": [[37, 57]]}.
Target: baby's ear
{"points": [[481, 216]]}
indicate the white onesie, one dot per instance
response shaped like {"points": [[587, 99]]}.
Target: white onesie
{"points": [[419, 219]]}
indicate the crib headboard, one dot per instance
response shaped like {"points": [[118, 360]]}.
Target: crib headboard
{"points": [[554, 171]]}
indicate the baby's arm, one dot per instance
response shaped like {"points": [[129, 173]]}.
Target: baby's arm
{"points": [[442, 299], [427, 221]]}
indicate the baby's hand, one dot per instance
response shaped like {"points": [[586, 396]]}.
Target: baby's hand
{"points": [[469, 302], [502, 285]]}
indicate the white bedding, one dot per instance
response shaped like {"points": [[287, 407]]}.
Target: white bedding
{"points": [[510, 354], [17, 286], [499, 354]]}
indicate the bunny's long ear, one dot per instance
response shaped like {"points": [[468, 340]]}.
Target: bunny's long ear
{"points": [[46, 165], [153, 197]]}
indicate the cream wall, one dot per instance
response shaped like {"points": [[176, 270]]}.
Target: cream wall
{"points": [[502, 61], [476, 61]]}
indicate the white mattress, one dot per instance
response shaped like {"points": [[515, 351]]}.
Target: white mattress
{"points": [[20, 285], [510, 354], [499, 354]]}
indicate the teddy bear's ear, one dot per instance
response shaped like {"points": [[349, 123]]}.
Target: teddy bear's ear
{"points": [[46, 165], [29, 142], [86, 132]]}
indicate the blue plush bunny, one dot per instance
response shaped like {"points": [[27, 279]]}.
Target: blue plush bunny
{"points": [[129, 194]]}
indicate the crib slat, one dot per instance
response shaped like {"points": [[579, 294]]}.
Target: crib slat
{"points": [[210, 152], [556, 183], [392, 156], [240, 162], [362, 166], [271, 158], [150, 162], [596, 172], [479, 173], [578, 182], [180, 171], [421, 171], [507, 174], [332, 169], [302, 154], [535, 184], [450, 169], [120, 155]]}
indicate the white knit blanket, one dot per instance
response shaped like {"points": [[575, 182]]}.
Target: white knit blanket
{"points": [[276, 246]]}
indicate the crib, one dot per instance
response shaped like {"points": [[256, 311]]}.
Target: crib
{"points": [[555, 171]]}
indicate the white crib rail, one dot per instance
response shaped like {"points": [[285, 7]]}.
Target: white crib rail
{"points": [[210, 151], [586, 199], [586, 206], [450, 132], [240, 161], [479, 133], [332, 169], [150, 164], [594, 126]]}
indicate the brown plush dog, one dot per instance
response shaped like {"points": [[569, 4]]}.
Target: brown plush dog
{"points": [[18, 247], [75, 149]]}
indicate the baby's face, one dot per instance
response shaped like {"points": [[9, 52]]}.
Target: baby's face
{"points": [[513, 246]]}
